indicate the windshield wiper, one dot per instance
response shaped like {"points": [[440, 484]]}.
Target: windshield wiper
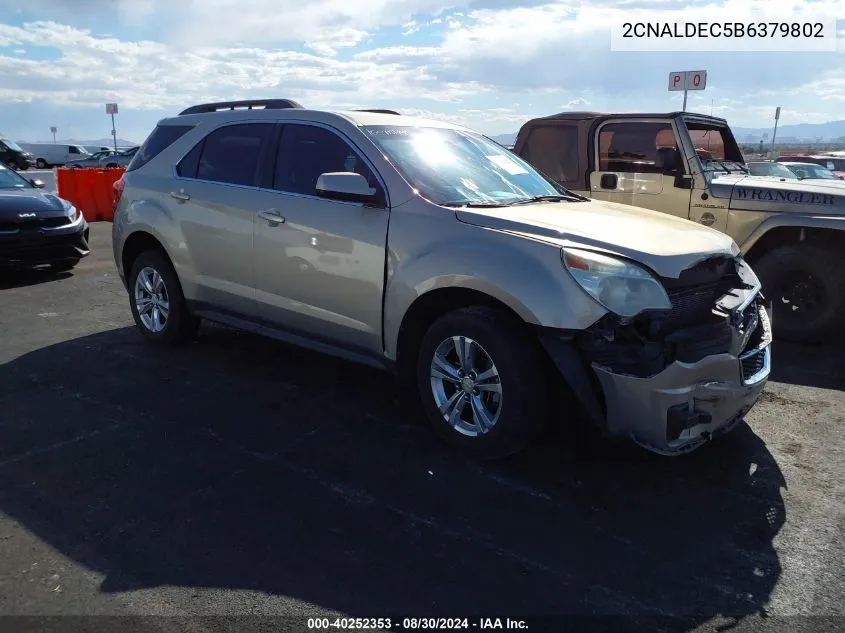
{"points": [[475, 205], [554, 198]]}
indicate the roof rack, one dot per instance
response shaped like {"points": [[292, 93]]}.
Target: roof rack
{"points": [[379, 111], [265, 104]]}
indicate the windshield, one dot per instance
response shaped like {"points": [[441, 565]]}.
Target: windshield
{"points": [[454, 167], [771, 169], [716, 148], [11, 180], [813, 172], [11, 145]]}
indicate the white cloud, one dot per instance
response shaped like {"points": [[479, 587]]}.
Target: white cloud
{"points": [[495, 52]]}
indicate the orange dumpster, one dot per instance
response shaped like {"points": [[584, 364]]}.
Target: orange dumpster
{"points": [[90, 191]]}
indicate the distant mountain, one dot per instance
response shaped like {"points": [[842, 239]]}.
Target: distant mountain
{"points": [[100, 142], [806, 131], [505, 139], [830, 131]]}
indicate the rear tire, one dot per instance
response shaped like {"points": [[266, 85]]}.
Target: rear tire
{"points": [[157, 303], [503, 395], [804, 282]]}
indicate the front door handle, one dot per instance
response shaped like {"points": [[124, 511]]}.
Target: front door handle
{"points": [[272, 216], [180, 195]]}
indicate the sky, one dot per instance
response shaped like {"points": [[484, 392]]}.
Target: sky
{"points": [[488, 64]]}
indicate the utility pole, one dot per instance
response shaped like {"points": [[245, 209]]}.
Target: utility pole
{"points": [[774, 133]]}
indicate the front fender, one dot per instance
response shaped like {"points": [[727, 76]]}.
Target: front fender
{"points": [[525, 275], [765, 222]]}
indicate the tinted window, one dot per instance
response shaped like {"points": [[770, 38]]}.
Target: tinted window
{"points": [[73, 150], [188, 166], [306, 151], [554, 151], [231, 154], [632, 147], [160, 139]]}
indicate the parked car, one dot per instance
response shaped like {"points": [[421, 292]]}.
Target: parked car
{"points": [[833, 163], [94, 160], [811, 171], [53, 154], [13, 155], [119, 159], [422, 248], [770, 169], [689, 165], [38, 228]]}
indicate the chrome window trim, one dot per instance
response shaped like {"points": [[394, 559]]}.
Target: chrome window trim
{"points": [[285, 121]]}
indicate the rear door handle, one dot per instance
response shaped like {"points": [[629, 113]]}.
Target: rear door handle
{"points": [[180, 195], [272, 216]]}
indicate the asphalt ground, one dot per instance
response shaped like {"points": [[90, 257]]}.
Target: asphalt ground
{"points": [[241, 476]]}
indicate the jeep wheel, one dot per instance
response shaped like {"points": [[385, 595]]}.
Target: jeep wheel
{"points": [[157, 303], [804, 283], [482, 382]]}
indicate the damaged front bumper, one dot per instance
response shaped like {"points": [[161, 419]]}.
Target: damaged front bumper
{"points": [[672, 393], [687, 404]]}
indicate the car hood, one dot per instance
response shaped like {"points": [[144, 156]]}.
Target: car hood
{"points": [[665, 243], [13, 202], [772, 194]]}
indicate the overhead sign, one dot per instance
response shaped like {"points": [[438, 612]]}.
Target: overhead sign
{"points": [[688, 80], [111, 108]]}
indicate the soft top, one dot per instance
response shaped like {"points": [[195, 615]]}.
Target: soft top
{"points": [[590, 116]]}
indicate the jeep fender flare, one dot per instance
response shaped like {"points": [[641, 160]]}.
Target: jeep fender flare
{"points": [[796, 221]]}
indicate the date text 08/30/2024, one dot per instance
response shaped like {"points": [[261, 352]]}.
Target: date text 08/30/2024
{"points": [[416, 624]]}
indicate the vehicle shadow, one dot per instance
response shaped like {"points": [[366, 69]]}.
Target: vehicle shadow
{"points": [[10, 279], [810, 366], [241, 463]]}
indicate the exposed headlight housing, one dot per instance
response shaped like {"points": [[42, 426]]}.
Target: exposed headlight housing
{"points": [[620, 286]]}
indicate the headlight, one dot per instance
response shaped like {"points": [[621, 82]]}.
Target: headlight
{"points": [[622, 287], [71, 211]]}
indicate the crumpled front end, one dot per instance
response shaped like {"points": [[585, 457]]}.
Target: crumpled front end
{"points": [[672, 380]]}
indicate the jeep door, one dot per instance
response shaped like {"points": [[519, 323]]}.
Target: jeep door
{"points": [[638, 162], [320, 263], [215, 197]]}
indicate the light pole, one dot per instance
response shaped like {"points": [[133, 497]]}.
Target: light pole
{"points": [[111, 108]]}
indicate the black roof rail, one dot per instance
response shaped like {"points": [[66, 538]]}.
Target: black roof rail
{"points": [[265, 104], [379, 111]]}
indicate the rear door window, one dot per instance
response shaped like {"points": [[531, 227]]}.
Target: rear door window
{"points": [[230, 154]]}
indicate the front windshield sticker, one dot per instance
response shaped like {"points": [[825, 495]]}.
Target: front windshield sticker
{"points": [[507, 164], [798, 197]]}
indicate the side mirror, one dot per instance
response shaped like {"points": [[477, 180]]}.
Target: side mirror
{"points": [[347, 186], [38, 184]]}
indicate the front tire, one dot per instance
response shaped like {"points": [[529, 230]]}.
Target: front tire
{"points": [[157, 303], [41, 163], [482, 381], [804, 284]]}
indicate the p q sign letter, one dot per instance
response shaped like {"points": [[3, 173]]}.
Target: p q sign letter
{"points": [[688, 80]]}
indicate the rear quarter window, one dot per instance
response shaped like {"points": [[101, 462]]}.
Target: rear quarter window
{"points": [[553, 150], [161, 138]]}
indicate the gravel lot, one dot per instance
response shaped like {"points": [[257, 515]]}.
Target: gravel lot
{"points": [[242, 476]]}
